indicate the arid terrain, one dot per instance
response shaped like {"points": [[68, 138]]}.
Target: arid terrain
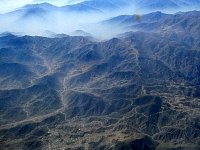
{"points": [[140, 90]]}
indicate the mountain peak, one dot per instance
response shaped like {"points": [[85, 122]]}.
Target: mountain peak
{"points": [[40, 5]]}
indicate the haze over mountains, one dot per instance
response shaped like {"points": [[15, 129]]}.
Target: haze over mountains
{"points": [[100, 74], [42, 18]]}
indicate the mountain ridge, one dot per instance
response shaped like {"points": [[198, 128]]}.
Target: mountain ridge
{"points": [[135, 91]]}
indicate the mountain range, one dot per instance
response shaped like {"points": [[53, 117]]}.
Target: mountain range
{"points": [[86, 16], [103, 6], [139, 90]]}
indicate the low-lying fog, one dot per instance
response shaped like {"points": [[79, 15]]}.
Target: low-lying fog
{"points": [[48, 22], [72, 23], [59, 23]]}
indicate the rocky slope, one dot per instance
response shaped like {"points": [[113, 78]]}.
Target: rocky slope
{"points": [[138, 91]]}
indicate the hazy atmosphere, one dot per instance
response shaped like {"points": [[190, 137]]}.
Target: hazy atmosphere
{"points": [[49, 17], [10, 5]]}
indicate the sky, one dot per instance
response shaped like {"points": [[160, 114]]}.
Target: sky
{"points": [[10, 5]]}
